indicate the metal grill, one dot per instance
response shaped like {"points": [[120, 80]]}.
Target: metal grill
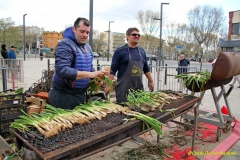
{"points": [[83, 140], [75, 134]]}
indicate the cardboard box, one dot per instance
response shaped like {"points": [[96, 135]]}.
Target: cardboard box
{"points": [[33, 109], [38, 101]]}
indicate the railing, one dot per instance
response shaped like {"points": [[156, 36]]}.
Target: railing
{"points": [[163, 77], [16, 66]]}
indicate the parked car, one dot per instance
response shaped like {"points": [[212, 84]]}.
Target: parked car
{"points": [[210, 60], [148, 56], [95, 55], [192, 59], [154, 57]]}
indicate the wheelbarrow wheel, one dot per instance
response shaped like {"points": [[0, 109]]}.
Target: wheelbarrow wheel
{"points": [[218, 134], [227, 127]]}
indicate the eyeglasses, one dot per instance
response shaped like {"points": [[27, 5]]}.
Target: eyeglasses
{"points": [[134, 34]]}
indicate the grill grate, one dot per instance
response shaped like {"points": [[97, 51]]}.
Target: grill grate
{"points": [[75, 134]]}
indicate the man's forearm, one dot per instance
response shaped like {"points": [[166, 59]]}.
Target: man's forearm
{"points": [[149, 76]]}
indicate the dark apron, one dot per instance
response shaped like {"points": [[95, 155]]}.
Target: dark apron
{"points": [[66, 98], [132, 78]]}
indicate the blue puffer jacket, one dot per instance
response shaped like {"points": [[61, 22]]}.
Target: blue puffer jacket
{"points": [[11, 54], [69, 58]]}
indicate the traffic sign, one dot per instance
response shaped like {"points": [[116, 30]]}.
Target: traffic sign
{"points": [[179, 48]]}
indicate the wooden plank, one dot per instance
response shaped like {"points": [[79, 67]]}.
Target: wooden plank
{"points": [[6, 150]]}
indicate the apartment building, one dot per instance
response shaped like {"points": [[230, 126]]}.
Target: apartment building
{"points": [[50, 39], [233, 43], [116, 40]]}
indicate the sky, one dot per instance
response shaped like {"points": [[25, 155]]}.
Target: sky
{"points": [[56, 15]]}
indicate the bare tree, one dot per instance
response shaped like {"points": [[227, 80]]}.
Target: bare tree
{"points": [[9, 34], [205, 21], [149, 26], [98, 38]]}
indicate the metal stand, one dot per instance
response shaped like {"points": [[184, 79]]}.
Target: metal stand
{"points": [[218, 119], [195, 123]]}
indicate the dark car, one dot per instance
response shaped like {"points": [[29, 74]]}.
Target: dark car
{"points": [[95, 55]]}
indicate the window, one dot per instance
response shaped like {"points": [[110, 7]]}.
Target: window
{"points": [[235, 28]]}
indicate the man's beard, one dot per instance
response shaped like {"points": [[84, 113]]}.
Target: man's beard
{"points": [[134, 43]]}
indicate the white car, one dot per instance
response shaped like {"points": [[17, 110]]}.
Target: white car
{"points": [[95, 55]]}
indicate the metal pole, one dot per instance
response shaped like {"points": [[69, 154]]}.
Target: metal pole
{"points": [[108, 41], [160, 49], [24, 41], [4, 78], [91, 22]]}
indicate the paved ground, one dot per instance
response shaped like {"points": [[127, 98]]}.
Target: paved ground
{"points": [[33, 71]]}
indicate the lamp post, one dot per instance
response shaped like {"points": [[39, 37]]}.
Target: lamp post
{"points": [[24, 36], [160, 46], [109, 39], [91, 22]]}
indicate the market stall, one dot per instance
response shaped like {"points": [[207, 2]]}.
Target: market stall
{"points": [[86, 139]]}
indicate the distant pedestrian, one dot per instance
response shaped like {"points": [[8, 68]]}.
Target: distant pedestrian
{"points": [[41, 56], [11, 53], [182, 68], [4, 51]]}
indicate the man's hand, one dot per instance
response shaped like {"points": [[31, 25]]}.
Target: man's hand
{"points": [[98, 74], [151, 86]]}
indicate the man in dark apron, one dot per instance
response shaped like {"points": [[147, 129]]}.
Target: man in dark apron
{"points": [[129, 61]]}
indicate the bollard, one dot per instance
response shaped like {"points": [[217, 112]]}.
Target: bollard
{"points": [[150, 65], [4, 78], [165, 79], [98, 65], [48, 63]]}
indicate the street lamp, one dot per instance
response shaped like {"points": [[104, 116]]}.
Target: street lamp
{"points": [[91, 22], [160, 46], [24, 36], [109, 38]]}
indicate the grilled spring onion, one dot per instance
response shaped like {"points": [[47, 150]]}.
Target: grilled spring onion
{"points": [[37, 122], [136, 98], [149, 121], [199, 79]]}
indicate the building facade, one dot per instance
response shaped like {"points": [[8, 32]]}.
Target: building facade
{"points": [[51, 39], [233, 43]]}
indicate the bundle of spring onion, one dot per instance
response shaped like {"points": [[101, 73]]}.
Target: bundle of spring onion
{"points": [[148, 101], [53, 120], [198, 79], [94, 84]]}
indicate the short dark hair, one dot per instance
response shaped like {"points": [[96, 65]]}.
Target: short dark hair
{"points": [[85, 22], [129, 31]]}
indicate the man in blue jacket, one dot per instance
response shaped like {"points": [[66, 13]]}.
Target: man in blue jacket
{"points": [[73, 67], [130, 63], [11, 54], [182, 64], [182, 68]]}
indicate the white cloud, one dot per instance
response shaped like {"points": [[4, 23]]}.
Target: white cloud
{"points": [[55, 15]]}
